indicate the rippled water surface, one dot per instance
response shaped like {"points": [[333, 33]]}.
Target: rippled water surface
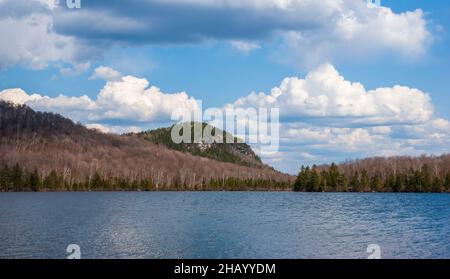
{"points": [[224, 225]]}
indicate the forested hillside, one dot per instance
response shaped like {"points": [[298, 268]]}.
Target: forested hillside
{"points": [[394, 174], [236, 152], [46, 152]]}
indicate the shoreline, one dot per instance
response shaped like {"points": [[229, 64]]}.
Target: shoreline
{"points": [[222, 191]]}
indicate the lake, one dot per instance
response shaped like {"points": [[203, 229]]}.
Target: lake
{"points": [[224, 225]]}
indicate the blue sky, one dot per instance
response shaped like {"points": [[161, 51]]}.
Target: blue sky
{"points": [[218, 53]]}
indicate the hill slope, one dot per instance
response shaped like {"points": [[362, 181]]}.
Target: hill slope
{"points": [[61, 155], [236, 152]]}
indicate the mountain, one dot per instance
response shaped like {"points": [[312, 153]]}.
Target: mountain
{"points": [[45, 151], [236, 152]]}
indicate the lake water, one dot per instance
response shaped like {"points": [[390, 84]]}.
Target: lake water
{"points": [[224, 225]]}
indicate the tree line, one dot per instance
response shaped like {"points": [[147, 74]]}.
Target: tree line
{"points": [[334, 178], [17, 179]]}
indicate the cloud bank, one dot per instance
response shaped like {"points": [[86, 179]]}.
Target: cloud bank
{"points": [[324, 93], [40, 32]]}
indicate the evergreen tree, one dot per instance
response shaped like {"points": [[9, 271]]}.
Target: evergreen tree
{"points": [[415, 182], [365, 181], [447, 182], [17, 178], [342, 184], [399, 183], [4, 179], [301, 183], [34, 181], [390, 184], [437, 184], [426, 178], [333, 176], [355, 183], [324, 180], [377, 183], [51, 181], [314, 181]]}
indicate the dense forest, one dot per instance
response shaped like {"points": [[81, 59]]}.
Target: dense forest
{"points": [[47, 152], [396, 174]]}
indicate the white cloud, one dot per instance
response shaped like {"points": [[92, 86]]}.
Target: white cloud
{"points": [[99, 127], [26, 29], [51, 4], [381, 130], [128, 100], [18, 96], [110, 129], [106, 73], [245, 47], [357, 31], [441, 125], [323, 93]]}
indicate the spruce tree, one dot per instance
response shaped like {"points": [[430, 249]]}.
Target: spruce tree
{"points": [[377, 183], [333, 175], [365, 181], [447, 182], [355, 183], [34, 181], [390, 184], [437, 184], [17, 178], [426, 178], [314, 181]]}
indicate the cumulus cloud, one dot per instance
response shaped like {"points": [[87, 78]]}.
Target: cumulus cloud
{"points": [[128, 100], [18, 96], [28, 39], [131, 98], [360, 32], [324, 93], [106, 73]]}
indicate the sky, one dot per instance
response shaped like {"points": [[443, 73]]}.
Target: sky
{"points": [[351, 79]]}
